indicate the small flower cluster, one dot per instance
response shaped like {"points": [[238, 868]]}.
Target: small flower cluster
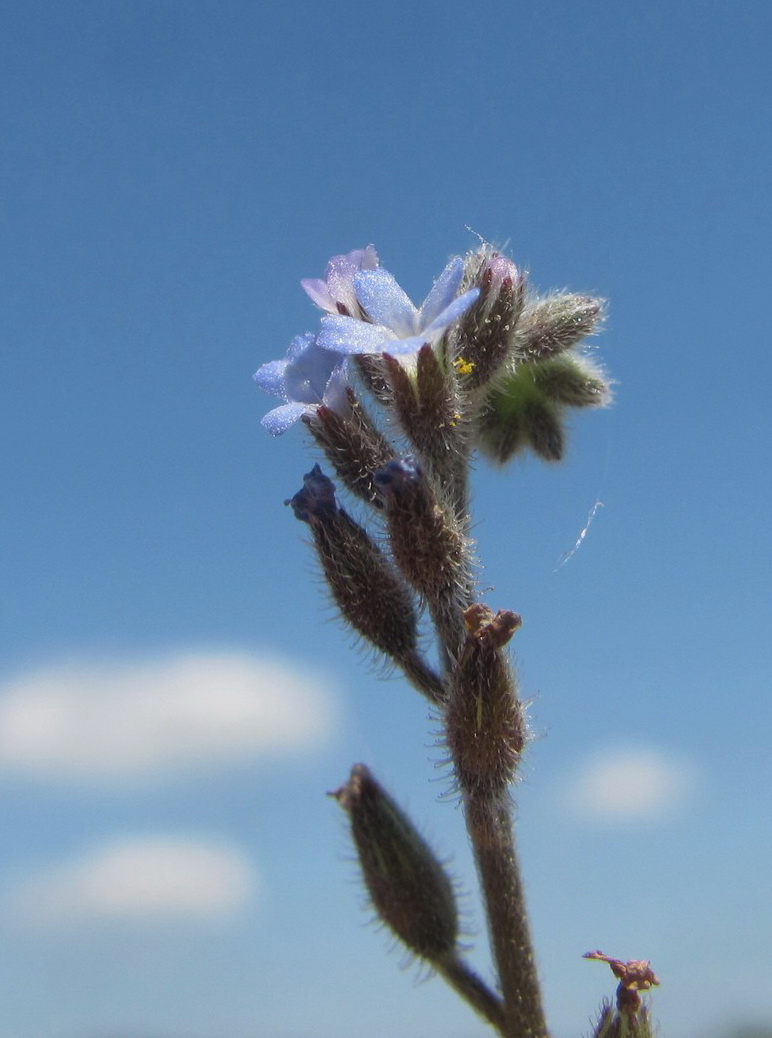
{"points": [[512, 354], [483, 364], [366, 313]]}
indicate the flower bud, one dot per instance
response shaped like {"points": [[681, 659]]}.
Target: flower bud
{"points": [[515, 415], [353, 445], [487, 331], [556, 323], [408, 886], [425, 542], [371, 595], [617, 1023], [572, 381], [427, 545], [525, 406], [484, 721]]}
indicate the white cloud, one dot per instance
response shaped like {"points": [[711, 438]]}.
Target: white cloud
{"points": [[150, 879], [630, 785], [125, 719]]}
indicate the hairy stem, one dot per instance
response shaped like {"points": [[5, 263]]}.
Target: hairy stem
{"points": [[473, 990], [423, 678], [489, 823]]}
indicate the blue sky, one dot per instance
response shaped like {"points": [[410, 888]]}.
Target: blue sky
{"points": [[175, 696]]}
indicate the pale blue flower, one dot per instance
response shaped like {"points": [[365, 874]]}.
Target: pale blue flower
{"points": [[336, 293], [307, 377], [397, 325]]}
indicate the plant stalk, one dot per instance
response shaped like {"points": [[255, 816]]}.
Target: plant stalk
{"points": [[489, 823]]}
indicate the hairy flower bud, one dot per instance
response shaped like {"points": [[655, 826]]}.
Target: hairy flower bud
{"points": [[370, 594], [427, 545], [618, 1023], [484, 722], [353, 445], [556, 323], [525, 406], [572, 381], [407, 884], [516, 415], [486, 333]]}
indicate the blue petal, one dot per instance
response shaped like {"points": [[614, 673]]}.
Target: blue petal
{"points": [[348, 335], [308, 370], [458, 307], [270, 377], [397, 347], [281, 418], [385, 302], [299, 345], [443, 292], [318, 291], [335, 396]]}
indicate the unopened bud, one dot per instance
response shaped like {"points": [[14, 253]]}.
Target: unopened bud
{"points": [[369, 592], [427, 544], [556, 323], [615, 1022], [408, 886], [487, 331], [517, 415], [572, 381], [315, 502], [353, 445], [484, 722]]}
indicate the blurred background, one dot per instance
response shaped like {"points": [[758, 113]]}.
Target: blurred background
{"points": [[176, 696]]}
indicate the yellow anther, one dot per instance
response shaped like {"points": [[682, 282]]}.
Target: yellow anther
{"points": [[463, 367]]}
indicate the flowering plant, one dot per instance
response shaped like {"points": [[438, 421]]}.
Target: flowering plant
{"points": [[486, 365]]}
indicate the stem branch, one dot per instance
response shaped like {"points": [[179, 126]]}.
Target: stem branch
{"points": [[474, 990]]}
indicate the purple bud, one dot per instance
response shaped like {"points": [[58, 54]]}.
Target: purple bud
{"points": [[398, 476], [316, 501]]}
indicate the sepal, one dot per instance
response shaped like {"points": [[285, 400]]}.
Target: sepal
{"points": [[572, 381], [484, 721], [426, 404], [486, 335], [556, 323], [353, 446], [427, 544], [525, 407]]}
